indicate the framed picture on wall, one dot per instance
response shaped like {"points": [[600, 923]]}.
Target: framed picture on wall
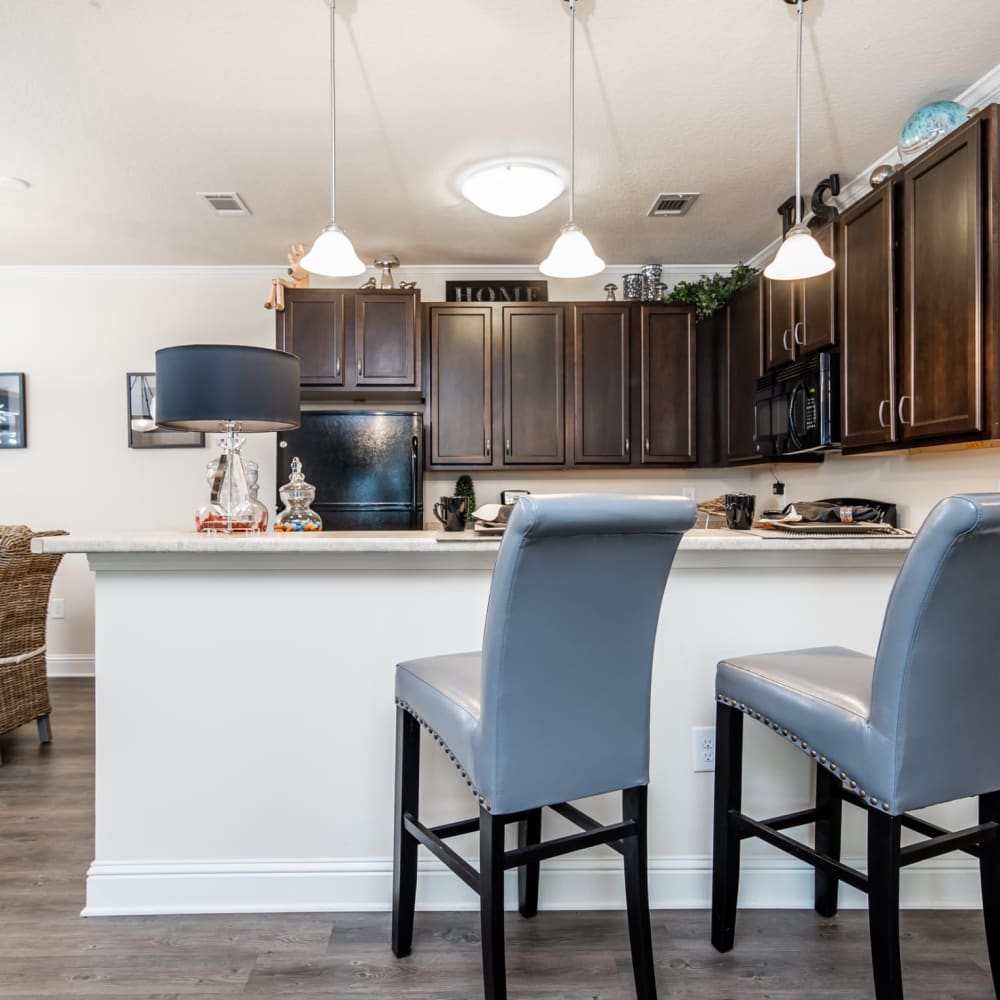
{"points": [[142, 429], [12, 410]]}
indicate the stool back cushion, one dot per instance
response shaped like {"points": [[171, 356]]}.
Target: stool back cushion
{"points": [[568, 646], [936, 686]]}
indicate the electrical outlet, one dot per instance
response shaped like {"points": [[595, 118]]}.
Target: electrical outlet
{"points": [[702, 748], [687, 491], [57, 607]]}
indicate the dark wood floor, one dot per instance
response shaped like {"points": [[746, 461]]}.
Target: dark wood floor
{"points": [[47, 950]]}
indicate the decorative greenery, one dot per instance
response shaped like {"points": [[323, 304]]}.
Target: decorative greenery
{"points": [[709, 293], [463, 488]]}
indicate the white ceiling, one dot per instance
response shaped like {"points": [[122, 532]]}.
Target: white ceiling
{"points": [[118, 111]]}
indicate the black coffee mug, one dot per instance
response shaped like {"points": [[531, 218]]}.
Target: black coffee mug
{"points": [[452, 512], [739, 510]]}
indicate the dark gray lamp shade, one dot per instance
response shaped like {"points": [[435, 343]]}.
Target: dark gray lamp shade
{"points": [[200, 386]]}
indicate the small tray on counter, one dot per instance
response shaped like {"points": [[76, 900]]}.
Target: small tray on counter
{"points": [[828, 529]]}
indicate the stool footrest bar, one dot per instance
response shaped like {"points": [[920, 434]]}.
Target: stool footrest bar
{"points": [[802, 818], [579, 818], [962, 840], [441, 851], [455, 829], [564, 845]]}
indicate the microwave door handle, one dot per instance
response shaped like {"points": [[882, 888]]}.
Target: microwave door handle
{"points": [[792, 431]]}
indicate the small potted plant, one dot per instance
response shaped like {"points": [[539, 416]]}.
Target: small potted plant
{"points": [[463, 488]]}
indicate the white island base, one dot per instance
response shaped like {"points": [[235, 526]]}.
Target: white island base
{"points": [[245, 717]]}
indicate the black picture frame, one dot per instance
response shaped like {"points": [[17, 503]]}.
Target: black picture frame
{"points": [[140, 392], [13, 411]]}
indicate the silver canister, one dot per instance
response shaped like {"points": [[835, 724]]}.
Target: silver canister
{"points": [[632, 287], [651, 278]]}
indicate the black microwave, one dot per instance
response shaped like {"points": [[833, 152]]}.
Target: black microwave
{"points": [[796, 407]]}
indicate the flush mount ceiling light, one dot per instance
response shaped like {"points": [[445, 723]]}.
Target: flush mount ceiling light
{"points": [[333, 254], [800, 256], [511, 188], [572, 256]]}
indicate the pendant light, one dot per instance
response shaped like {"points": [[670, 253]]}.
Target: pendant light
{"points": [[333, 254], [572, 256], [799, 256]]}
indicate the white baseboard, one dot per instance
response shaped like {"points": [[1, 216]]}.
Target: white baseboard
{"points": [[70, 664], [594, 883]]}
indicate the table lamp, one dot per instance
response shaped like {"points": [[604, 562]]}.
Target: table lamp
{"points": [[234, 390]]}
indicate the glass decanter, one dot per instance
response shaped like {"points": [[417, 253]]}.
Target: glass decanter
{"points": [[297, 495]]}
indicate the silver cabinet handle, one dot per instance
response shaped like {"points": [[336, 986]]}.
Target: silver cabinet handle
{"points": [[508, 445], [881, 410], [359, 367], [336, 371], [646, 442], [784, 341], [626, 446], [902, 400], [488, 442], [795, 333]]}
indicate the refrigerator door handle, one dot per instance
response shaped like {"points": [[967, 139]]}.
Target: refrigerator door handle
{"points": [[414, 478]]}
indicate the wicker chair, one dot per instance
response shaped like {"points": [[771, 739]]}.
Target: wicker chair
{"points": [[25, 581]]}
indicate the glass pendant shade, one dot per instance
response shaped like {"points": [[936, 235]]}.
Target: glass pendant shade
{"points": [[798, 257], [333, 254], [512, 189], [571, 255]]}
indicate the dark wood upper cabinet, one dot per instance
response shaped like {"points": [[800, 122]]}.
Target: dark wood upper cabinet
{"points": [[815, 308], [386, 345], [601, 410], [867, 320], [312, 326], [710, 337], [942, 346], [533, 378], [780, 303], [743, 356], [461, 385], [383, 358], [667, 385]]}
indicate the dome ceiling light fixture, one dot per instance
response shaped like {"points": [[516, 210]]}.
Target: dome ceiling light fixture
{"points": [[571, 255], [799, 256], [333, 253], [511, 187]]}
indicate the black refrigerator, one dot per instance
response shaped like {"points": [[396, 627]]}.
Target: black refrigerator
{"points": [[367, 468]]}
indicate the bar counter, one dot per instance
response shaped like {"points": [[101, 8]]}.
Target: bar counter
{"points": [[245, 715]]}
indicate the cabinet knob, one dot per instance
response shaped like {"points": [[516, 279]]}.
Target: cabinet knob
{"points": [[902, 419], [881, 411], [795, 333]]}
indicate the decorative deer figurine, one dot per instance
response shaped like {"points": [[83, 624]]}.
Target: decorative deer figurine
{"points": [[298, 274]]}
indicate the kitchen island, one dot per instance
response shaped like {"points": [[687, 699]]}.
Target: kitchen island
{"points": [[245, 715]]}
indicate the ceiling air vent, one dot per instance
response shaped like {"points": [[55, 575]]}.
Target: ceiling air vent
{"points": [[225, 202], [672, 204]]}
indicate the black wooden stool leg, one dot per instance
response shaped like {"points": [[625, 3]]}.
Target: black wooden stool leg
{"points": [[829, 804], [404, 854], [883, 903], [725, 840], [989, 877], [529, 831], [637, 894], [491, 848]]}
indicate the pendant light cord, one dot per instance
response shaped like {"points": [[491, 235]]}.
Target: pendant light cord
{"points": [[798, 123], [333, 110], [572, 107]]}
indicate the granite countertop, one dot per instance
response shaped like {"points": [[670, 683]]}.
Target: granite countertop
{"points": [[696, 540]]}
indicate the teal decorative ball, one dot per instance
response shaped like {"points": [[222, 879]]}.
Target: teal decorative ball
{"points": [[926, 126]]}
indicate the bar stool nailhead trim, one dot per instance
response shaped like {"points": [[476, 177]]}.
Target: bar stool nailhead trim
{"points": [[848, 781]]}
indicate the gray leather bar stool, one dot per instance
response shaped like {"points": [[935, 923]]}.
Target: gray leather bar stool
{"points": [[555, 707], [914, 726]]}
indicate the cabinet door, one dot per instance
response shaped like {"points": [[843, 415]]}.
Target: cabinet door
{"points": [[744, 328], [779, 346], [815, 318], [601, 384], [867, 321], [534, 416], [667, 350], [941, 390], [312, 326], [710, 336], [461, 403], [385, 339]]}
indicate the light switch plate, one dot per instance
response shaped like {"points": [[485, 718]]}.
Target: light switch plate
{"points": [[703, 748], [687, 491], [57, 607]]}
